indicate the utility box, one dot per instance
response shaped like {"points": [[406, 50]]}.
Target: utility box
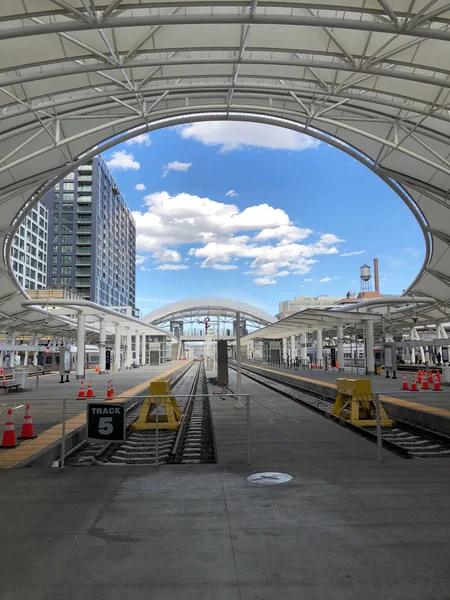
{"points": [[20, 376], [222, 363]]}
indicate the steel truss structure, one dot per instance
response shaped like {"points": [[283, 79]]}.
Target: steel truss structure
{"points": [[370, 77]]}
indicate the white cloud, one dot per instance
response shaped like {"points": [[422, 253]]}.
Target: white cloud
{"points": [[140, 140], [234, 135], [166, 255], [325, 280], [176, 166], [220, 233], [121, 160], [354, 253], [287, 233], [264, 281], [219, 267], [330, 238], [140, 259], [171, 267], [309, 279], [231, 194], [140, 187]]}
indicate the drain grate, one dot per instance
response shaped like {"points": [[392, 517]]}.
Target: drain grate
{"points": [[269, 478]]}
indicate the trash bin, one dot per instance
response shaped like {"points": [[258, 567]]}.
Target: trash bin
{"points": [[20, 376]]}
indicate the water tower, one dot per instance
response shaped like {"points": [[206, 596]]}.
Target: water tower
{"points": [[366, 279]]}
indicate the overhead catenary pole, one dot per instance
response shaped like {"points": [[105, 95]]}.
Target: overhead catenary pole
{"points": [[340, 347]]}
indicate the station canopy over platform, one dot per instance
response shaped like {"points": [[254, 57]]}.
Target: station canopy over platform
{"points": [[193, 308], [311, 319], [367, 76], [58, 317]]}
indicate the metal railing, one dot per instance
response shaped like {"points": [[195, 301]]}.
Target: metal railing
{"points": [[63, 420]]}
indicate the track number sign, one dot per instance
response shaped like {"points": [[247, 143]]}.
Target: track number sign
{"points": [[106, 421]]}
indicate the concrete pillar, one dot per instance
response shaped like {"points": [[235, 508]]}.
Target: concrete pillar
{"points": [[319, 348], [370, 360], [117, 341], [81, 334], [303, 350], [340, 347], [102, 347], [284, 340], [128, 350], [293, 349], [238, 355], [143, 349]]}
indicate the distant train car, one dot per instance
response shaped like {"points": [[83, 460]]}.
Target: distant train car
{"points": [[354, 355], [50, 358]]}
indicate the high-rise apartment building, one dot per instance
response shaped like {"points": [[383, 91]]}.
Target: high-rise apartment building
{"points": [[92, 237], [289, 307], [29, 249]]}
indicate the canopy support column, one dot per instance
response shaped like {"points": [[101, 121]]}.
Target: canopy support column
{"points": [[370, 359], [117, 343], [319, 348], [102, 347], [81, 334], [340, 347]]}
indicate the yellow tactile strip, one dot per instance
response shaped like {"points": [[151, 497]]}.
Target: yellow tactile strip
{"points": [[414, 405], [23, 452]]}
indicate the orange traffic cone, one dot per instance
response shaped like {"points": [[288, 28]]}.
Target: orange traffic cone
{"points": [[430, 377], [414, 384], [27, 426], [419, 376], [438, 375], [425, 385], [405, 385], [112, 388], [90, 391], [337, 366], [97, 370], [9, 435], [81, 392], [108, 393], [437, 385]]}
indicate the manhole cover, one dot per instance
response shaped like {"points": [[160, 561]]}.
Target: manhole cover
{"points": [[269, 478]]}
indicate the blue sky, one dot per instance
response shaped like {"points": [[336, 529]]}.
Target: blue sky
{"points": [[258, 214]]}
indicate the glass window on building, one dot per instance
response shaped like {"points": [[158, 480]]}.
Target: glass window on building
{"points": [[70, 176], [66, 238], [68, 197], [54, 270], [66, 270], [54, 281], [67, 217], [55, 217], [66, 280], [66, 249], [56, 206], [67, 228], [65, 260], [55, 238], [67, 207], [68, 186], [54, 259]]}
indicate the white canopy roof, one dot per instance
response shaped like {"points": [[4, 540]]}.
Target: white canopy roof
{"points": [[368, 76], [192, 307]]}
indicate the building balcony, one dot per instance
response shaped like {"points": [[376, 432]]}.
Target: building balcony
{"points": [[84, 250], [84, 240], [82, 261], [83, 283], [84, 208]]}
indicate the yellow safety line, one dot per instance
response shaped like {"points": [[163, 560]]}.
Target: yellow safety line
{"points": [[15, 456], [388, 399]]}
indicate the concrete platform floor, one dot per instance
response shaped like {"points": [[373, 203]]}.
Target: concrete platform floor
{"points": [[389, 387], [346, 527]]}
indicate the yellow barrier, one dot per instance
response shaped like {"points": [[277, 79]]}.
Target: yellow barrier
{"points": [[355, 403], [170, 419]]}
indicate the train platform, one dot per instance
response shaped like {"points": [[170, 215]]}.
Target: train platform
{"points": [[345, 527], [46, 404], [426, 408]]}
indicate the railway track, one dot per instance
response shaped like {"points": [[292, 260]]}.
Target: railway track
{"points": [[405, 440], [189, 444]]}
